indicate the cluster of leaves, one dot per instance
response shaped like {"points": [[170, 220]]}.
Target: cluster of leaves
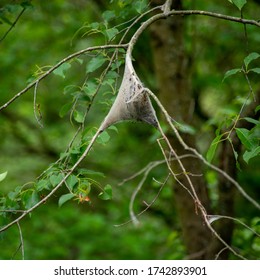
{"points": [[26, 196], [80, 99], [248, 138]]}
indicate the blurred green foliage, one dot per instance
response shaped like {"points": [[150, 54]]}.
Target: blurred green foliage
{"points": [[67, 227]]}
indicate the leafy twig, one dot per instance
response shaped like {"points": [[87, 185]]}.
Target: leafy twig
{"points": [[138, 188], [133, 40], [123, 46], [26, 212]]}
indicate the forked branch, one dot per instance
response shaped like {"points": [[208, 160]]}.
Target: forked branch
{"points": [[166, 12]]}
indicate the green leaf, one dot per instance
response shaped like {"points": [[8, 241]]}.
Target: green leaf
{"points": [[257, 108], [60, 71], [235, 154], [56, 179], [90, 88], [3, 175], [239, 3], [79, 116], [252, 56], [244, 136], [64, 198], [13, 194], [256, 122], [111, 33], [185, 128], [87, 172], [84, 187], [231, 72], [30, 198], [108, 15], [42, 185], [213, 147], [79, 60], [95, 63], [114, 128], [256, 70], [106, 194], [140, 6], [250, 154], [103, 138], [72, 181], [65, 109]]}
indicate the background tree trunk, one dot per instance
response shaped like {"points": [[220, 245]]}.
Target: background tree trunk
{"points": [[172, 68]]}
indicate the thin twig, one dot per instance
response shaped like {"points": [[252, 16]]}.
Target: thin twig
{"points": [[13, 25], [129, 51], [58, 185], [197, 201], [192, 189], [21, 239], [122, 46], [133, 41], [12, 211], [153, 163], [213, 218], [220, 252], [168, 163], [214, 15], [158, 162], [194, 151], [137, 190], [147, 205], [36, 108]]}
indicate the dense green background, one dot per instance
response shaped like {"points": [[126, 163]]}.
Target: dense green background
{"points": [[46, 33]]}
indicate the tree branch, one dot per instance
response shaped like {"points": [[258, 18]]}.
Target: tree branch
{"points": [[215, 15], [194, 195], [34, 83], [129, 48], [133, 41], [26, 212], [194, 151]]}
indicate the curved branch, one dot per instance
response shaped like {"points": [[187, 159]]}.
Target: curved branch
{"points": [[166, 13], [194, 151], [34, 83], [58, 185], [194, 195]]}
